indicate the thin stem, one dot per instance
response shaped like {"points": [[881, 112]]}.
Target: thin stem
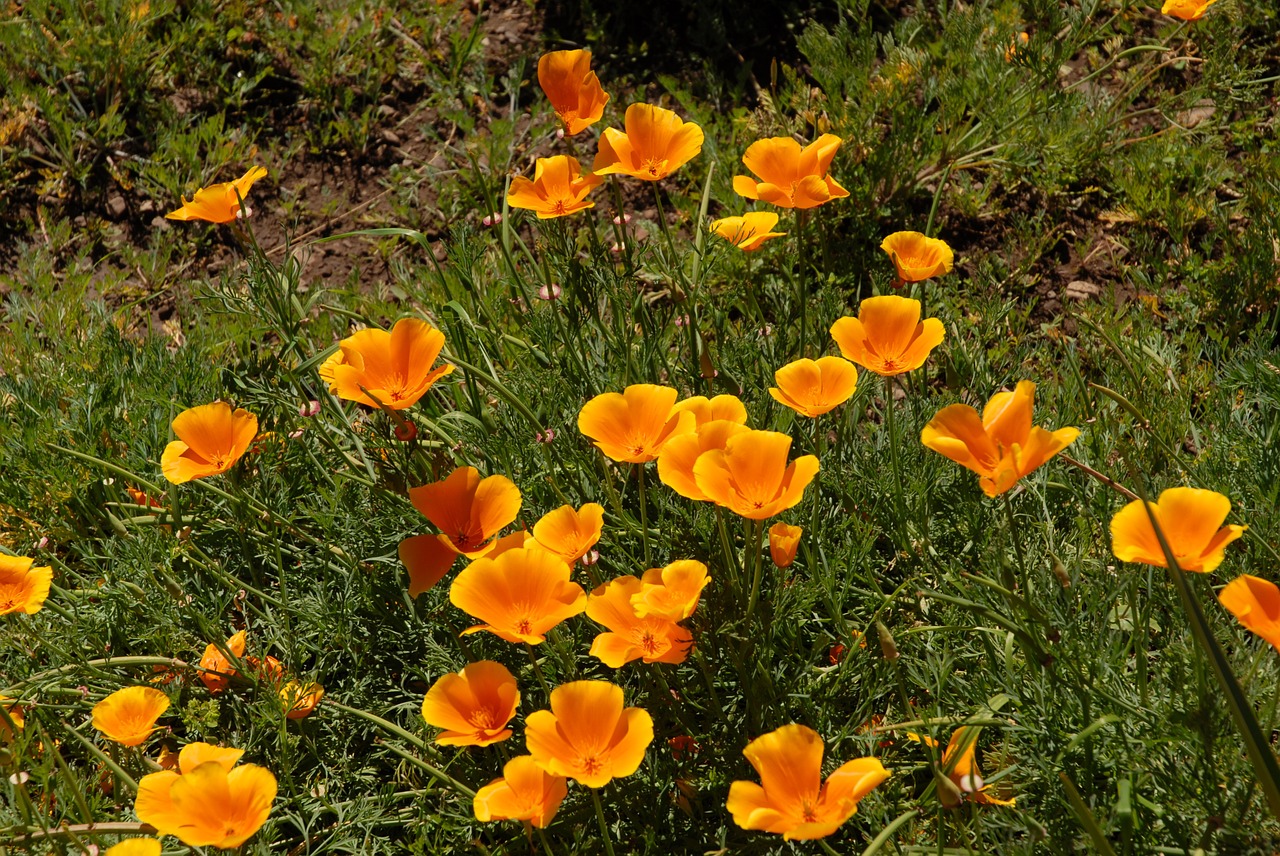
{"points": [[757, 566], [546, 845], [537, 670], [801, 297], [900, 493], [644, 519], [827, 848], [731, 566], [604, 827]]}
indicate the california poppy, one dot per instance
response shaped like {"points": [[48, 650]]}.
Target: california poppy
{"points": [[751, 476], [216, 670], [570, 533], [748, 232], [792, 799], [211, 802], [653, 638], [218, 203], [128, 716], [1255, 603], [15, 716], [587, 735], [23, 588], [888, 336], [1191, 520], [518, 596], [135, 847], [558, 188], [633, 425], [474, 705], [672, 592], [299, 699], [916, 257], [675, 464], [211, 438], [386, 369], [525, 792], [1187, 10], [962, 769], [814, 387], [789, 176], [704, 410], [656, 143], [784, 540], [1002, 445], [469, 512], [572, 88]]}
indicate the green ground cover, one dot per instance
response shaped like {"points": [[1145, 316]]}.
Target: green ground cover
{"points": [[1109, 187]]}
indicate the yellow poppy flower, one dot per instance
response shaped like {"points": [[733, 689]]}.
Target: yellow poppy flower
{"points": [[128, 716], [218, 203], [657, 142], [386, 369], [572, 88], [748, 232], [1191, 520], [23, 588], [888, 336], [790, 176]]}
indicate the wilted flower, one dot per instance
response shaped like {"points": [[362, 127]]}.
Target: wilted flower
{"points": [[1191, 520], [751, 476], [216, 670], [299, 699], [15, 716], [656, 143], [789, 176], [572, 88], [218, 203], [1255, 603], [916, 257], [784, 540], [653, 638], [633, 425], [128, 716], [23, 588], [558, 188], [748, 232], [888, 336], [1002, 446], [792, 799], [211, 438], [525, 792], [1187, 10], [519, 595], [963, 768], [588, 735], [386, 369], [570, 533], [212, 802], [473, 706], [814, 387]]}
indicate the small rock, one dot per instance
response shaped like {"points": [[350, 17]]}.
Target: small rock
{"points": [[117, 207], [1202, 111], [1081, 290], [391, 137], [146, 206], [161, 223]]}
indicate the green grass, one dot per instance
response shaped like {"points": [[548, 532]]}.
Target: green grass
{"points": [[1032, 173]]}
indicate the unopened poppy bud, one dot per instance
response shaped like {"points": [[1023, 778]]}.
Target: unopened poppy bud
{"points": [[622, 221], [491, 219], [591, 558], [309, 408], [949, 794], [617, 249], [971, 783], [887, 645], [43, 543], [1060, 571], [550, 292], [406, 431]]}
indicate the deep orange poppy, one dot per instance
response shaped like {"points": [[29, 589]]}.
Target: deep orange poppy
{"points": [[814, 387], [888, 336], [675, 464], [572, 88], [653, 638], [211, 802], [518, 596], [784, 540], [525, 792], [587, 735], [632, 426], [218, 203], [789, 176], [211, 438], [216, 670], [1191, 520], [751, 476], [128, 716], [570, 533], [657, 142], [23, 588], [792, 800], [558, 188], [672, 592], [474, 706], [748, 232], [386, 369], [916, 257], [1255, 603], [1002, 446]]}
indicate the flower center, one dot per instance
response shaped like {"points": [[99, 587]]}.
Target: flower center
{"points": [[591, 765], [558, 208], [810, 812], [524, 627], [655, 166], [482, 719]]}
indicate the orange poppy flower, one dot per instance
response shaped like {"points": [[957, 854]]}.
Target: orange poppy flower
{"points": [[473, 706], [814, 387], [784, 540], [675, 464], [633, 425], [525, 792], [15, 716], [1187, 10], [916, 257], [587, 735], [135, 847], [1191, 520], [519, 596], [469, 511], [572, 88], [216, 670], [792, 799], [654, 638], [1255, 603], [381, 369], [558, 188], [300, 700], [888, 336], [748, 232], [963, 770], [1002, 446], [789, 176], [568, 533], [219, 203], [751, 477], [22, 587], [672, 592], [656, 143], [128, 716], [704, 410], [212, 802], [211, 438]]}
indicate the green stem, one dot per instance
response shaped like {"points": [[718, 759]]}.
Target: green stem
{"points": [[537, 670], [827, 848], [899, 497], [731, 566], [801, 296], [757, 566], [644, 519], [604, 827], [546, 845]]}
